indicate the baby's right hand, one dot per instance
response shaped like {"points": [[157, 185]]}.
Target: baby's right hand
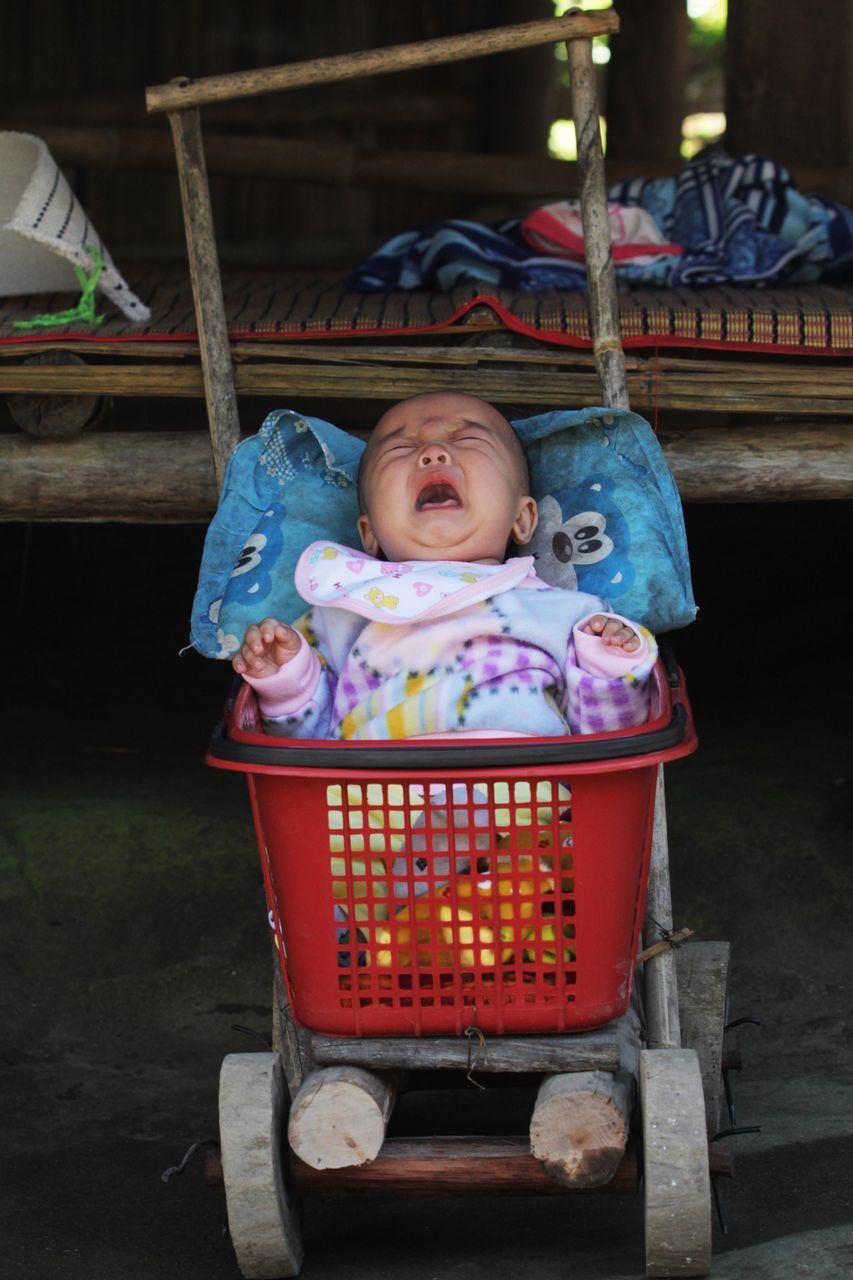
{"points": [[266, 646]]}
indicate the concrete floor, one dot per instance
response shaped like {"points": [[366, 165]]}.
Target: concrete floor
{"points": [[133, 931]]}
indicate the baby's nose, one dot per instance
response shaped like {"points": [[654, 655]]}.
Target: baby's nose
{"points": [[431, 454]]}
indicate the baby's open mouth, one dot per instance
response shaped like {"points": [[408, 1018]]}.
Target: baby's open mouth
{"points": [[437, 496]]}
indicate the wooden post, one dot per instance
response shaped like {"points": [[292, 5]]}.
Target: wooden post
{"points": [[581, 1119], [216, 364], [663, 1027], [339, 1116], [601, 279], [290, 1042], [661, 990]]}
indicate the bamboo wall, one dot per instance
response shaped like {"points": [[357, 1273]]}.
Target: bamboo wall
{"points": [[87, 64]]}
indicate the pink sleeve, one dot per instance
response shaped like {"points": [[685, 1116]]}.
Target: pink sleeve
{"points": [[289, 689], [599, 659]]}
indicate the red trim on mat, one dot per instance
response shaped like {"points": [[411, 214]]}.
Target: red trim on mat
{"points": [[509, 320]]}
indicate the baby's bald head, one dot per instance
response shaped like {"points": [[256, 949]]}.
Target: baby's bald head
{"points": [[444, 477], [421, 405]]}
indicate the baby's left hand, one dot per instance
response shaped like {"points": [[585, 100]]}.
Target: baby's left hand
{"points": [[613, 631]]}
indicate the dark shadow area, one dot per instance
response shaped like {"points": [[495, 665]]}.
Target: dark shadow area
{"points": [[134, 933]]}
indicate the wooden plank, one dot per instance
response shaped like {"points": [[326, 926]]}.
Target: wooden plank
{"points": [[663, 1030], [586, 1051], [168, 476], [550, 379], [449, 1166], [720, 1162], [181, 381], [11, 352], [183, 92]]}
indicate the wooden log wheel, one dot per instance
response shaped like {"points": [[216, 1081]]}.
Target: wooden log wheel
{"points": [[343, 1090]]}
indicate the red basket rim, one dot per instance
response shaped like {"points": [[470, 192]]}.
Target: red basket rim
{"points": [[668, 735]]}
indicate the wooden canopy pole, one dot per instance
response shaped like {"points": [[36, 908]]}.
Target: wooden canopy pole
{"points": [[662, 1026], [181, 100], [217, 370], [601, 278]]}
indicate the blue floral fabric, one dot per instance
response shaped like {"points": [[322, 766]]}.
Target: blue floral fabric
{"points": [[737, 220], [289, 485], [611, 525], [744, 221], [442, 255], [610, 518]]}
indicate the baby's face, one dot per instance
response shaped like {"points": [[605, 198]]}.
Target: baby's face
{"points": [[442, 480]]}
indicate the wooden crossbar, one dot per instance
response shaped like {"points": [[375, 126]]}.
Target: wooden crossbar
{"points": [[185, 92], [182, 99]]}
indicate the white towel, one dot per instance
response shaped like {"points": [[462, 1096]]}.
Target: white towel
{"points": [[44, 230]]}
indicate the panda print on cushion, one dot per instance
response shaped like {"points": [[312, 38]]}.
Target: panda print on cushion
{"points": [[582, 541]]}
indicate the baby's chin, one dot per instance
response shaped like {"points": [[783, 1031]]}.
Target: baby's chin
{"points": [[440, 537], [443, 551]]}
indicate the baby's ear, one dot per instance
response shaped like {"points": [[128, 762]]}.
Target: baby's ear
{"points": [[368, 537], [526, 521]]}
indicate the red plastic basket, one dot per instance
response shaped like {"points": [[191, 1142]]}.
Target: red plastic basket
{"points": [[422, 888]]}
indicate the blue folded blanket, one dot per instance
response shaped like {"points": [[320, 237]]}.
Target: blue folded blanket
{"points": [[740, 221]]}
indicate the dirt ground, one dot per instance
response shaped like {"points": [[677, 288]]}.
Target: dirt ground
{"points": [[134, 937]]}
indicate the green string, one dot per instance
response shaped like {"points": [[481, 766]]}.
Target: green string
{"points": [[85, 309]]}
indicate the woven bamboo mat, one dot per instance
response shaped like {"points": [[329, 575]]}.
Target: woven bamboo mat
{"points": [[266, 306]]}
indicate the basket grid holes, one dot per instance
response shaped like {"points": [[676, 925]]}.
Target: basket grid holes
{"points": [[453, 884]]}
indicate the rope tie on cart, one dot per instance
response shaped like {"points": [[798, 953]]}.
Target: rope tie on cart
{"points": [[669, 940]]}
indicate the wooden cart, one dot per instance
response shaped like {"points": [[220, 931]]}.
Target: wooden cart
{"points": [[670, 1042]]}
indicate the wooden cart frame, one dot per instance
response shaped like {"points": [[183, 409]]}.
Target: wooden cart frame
{"points": [[680, 1063]]}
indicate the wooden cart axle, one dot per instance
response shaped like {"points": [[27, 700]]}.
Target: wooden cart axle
{"points": [[455, 1166]]}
